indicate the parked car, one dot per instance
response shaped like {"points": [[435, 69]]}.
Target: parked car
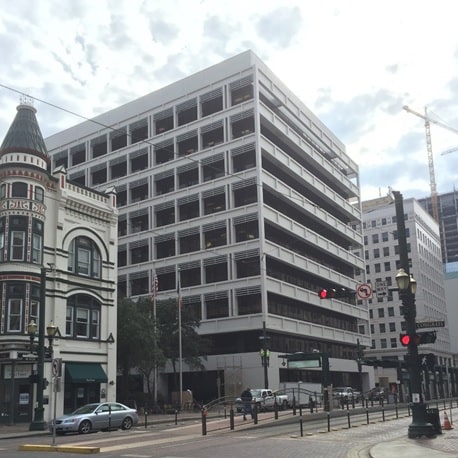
{"points": [[376, 394], [96, 417], [347, 393]]}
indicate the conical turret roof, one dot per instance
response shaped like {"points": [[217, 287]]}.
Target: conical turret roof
{"points": [[24, 135]]}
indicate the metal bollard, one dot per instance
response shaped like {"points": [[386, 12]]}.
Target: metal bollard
{"points": [[255, 413], [176, 416], [367, 415], [146, 418], [329, 422], [301, 425], [204, 422], [348, 419], [294, 405], [231, 419], [383, 414], [276, 410], [109, 417]]}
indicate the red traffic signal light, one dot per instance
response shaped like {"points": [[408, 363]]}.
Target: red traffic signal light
{"points": [[323, 294], [420, 338], [334, 293], [405, 339]]}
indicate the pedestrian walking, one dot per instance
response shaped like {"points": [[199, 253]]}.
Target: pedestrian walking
{"points": [[247, 397]]}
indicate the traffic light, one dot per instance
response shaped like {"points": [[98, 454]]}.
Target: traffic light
{"points": [[419, 338], [324, 294], [426, 337], [405, 339], [334, 293], [427, 361]]}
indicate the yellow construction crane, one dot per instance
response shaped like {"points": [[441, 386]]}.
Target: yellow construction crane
{"points": [[432, 176]]}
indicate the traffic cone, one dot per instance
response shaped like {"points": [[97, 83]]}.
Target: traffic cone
{"points": [[447, 424]]}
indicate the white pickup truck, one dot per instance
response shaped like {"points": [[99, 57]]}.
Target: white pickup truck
{"points": [[265, 399]]}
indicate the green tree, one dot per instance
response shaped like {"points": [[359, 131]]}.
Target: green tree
{"points": [[194, 347], [144, 343], [136, 342], [151, 355]]}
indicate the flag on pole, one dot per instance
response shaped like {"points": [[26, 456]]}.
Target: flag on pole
{"points": [[179, 292], [154, 287]]}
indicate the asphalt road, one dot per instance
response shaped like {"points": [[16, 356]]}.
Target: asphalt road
{"points": [[269, 439]]}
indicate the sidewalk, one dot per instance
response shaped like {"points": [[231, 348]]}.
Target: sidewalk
{"points": [[22, 429]]}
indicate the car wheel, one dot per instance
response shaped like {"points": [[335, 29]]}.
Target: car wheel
{"points": [[85, 427], [127, 423]]}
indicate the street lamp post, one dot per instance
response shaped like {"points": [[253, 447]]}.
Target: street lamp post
{"points": [[420, 425], [407, 287], [38, 422], [265, 354]]}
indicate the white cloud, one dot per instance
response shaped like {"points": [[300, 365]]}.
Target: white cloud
{"points": [[353, 63]]}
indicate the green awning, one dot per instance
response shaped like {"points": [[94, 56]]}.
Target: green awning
{"points": [[85, 373]]}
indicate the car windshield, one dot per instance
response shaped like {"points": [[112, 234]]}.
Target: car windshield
{"points": [[88, 408]]}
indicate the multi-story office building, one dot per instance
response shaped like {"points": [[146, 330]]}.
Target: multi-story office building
{"points": [[448, 225], [226, 179], [58, 247], [382, 264]]}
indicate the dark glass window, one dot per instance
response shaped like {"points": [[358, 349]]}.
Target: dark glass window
{"points": [[82, 317], [84, 257], [19, 189]]}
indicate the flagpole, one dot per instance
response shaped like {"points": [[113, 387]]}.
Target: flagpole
{"points": [[155, 376], [180, 346], [155, 349]]}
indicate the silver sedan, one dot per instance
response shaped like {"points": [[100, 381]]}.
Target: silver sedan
{"points": [[96, 417]]}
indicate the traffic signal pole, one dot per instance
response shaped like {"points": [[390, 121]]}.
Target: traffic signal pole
{"points": [[420, 425]]}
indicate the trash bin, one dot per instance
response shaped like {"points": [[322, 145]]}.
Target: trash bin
{"points": [[432, 416]]}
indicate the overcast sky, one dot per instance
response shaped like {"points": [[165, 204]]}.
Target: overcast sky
{"points": [[354, 63]]}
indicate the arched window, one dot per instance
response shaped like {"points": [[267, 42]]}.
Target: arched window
{"points": [[84, 257]]}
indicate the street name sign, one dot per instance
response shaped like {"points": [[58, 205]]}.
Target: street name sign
{"points": [[430, 324]]}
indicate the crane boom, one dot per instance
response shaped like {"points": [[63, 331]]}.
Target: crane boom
{"points": [[432, 175], [425, 117]]}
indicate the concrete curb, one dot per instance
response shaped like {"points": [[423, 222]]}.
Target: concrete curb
{"points": [[59, 448]]}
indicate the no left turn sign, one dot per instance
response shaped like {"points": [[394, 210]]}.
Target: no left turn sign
{"points": [[364, 291]]}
